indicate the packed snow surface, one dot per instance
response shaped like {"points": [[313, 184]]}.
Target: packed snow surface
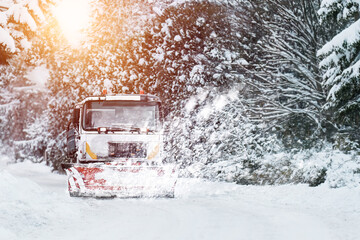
{"points": [[34, 204]]}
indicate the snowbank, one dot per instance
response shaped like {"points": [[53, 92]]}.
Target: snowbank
{"points": [[314, 166], [4, 160], [28, 210]]}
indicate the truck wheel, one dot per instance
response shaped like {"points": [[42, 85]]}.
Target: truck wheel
{"points": [[74, 194], [170, 195]]}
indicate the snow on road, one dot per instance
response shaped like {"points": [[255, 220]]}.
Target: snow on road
{"points": [[34, 204]]}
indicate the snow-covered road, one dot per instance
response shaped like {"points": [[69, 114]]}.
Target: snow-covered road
{"points": [[34, 204]]}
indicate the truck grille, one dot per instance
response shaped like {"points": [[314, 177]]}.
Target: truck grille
{"points": [[127, 150]]}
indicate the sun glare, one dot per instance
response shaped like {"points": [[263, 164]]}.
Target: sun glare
{"points": [[73, 17]]}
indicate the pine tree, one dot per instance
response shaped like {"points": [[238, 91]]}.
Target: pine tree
{"points": [[341, 62], [19, 20]]}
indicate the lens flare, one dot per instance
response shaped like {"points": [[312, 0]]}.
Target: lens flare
{"points": [[73, 17]]}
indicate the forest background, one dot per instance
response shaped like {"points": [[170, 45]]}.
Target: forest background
{"points": [[254, 92]]}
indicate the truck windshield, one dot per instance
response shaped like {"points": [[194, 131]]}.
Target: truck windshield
{"points": [[122, 116]]}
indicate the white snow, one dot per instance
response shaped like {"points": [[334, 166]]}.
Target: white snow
{"points": [[158, 11], [220, 102], [196, 70], [25, 44], [34, 204], [350, 35], [177, 38], [39, 77], [242, 61], [200, 21], [34, 7], [205, 112], [160, 54], [327, 5], [7, 40], [190, 105], [142, 61], [3, 18], [21, 15], [108, 85], [14, 13]]}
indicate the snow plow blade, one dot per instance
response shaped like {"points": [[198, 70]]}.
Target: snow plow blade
{"points": [[117, 180]]}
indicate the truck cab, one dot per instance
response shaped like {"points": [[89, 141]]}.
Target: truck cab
{"points": [[116, 128]]}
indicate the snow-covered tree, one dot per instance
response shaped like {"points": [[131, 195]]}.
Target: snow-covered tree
{"points": [[18, 22], [341, 61], [21, 102], [190, 46], [285, 77], [23, 90]]}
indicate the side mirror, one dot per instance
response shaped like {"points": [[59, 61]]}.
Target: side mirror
{"points": [[71, 143], [76, 116]]}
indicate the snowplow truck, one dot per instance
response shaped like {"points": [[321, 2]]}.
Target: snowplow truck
{"points": [[115, 144]]}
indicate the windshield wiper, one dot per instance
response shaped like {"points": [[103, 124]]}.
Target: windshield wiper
{"points": [[116, 129], [109, 129], [124, 129], [134, 129], [139, 130], [128, 128]]}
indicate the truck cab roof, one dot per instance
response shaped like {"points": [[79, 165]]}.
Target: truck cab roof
{"points": [[123, 97]]}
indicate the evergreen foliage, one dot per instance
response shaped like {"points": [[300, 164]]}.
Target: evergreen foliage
{"points": [[341, 62], [19, 21]]}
